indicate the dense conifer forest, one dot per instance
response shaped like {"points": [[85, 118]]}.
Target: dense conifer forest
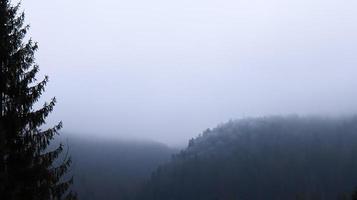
{"points": [[306, 158], [263, 158]]}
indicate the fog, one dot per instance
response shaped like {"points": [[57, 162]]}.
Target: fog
{"points": [[167, 70]]}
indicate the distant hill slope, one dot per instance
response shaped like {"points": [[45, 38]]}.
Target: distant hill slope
{"points": [[109, 170], [263, 159]]}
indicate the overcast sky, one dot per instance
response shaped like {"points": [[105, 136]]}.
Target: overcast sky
{"points": [[166, 70]]}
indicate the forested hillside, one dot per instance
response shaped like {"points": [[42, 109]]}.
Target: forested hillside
{"points": [[263, 158], [113, 169]]}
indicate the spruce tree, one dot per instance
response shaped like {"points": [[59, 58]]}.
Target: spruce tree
{"points": [[28, 169]]}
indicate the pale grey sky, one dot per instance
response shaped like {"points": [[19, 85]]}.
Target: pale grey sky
{"points": [[166, 70]]}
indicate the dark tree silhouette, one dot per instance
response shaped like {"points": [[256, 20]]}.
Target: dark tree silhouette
{"points": [[354, 195], [28, 169]]}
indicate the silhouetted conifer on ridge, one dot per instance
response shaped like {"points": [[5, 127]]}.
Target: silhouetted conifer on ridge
{"points": [[28, 170]]}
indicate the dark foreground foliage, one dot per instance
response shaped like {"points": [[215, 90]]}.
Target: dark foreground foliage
{"points": [[28, 169], [265, 158]]}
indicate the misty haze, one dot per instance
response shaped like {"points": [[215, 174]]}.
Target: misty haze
{"points": [[178, 100]]}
